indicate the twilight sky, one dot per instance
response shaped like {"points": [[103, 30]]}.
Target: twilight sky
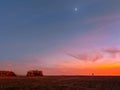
{"points": [[60, 37]]}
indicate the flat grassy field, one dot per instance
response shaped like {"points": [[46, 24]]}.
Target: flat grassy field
{"points": [[60, 83]]}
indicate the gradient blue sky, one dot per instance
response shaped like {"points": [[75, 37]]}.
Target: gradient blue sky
{"points": [[39, 34]]}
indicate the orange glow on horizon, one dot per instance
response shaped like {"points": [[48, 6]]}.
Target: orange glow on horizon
{"points": [[103, 67]]}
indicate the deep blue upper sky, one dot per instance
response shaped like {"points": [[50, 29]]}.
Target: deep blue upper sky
{"points": [[39, 27]]}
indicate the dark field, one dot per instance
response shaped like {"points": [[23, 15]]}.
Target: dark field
{"points": [[60, 83]]}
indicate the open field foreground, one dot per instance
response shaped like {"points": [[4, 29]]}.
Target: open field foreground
{"points": [[60, 83]]}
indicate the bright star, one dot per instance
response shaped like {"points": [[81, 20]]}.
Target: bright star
{"points": [[76, 9]]}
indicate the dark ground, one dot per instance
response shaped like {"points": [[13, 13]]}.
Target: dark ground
{"points": [[60, 83]]}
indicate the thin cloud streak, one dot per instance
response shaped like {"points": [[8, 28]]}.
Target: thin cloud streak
{"points": [[113, 52], [87, 57], [94, 56]]}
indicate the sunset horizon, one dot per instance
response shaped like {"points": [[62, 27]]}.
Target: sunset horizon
{"points": [[64, 37]]}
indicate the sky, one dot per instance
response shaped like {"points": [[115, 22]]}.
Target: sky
{"points": [[60, 37]]}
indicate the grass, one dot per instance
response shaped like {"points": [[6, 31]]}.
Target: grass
{"points": [[60, 83]]}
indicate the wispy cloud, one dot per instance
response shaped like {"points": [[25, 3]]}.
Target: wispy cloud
{"points": [[87, 56], [113, 52]]}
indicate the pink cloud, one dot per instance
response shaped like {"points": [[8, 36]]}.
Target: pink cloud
{"points": [[114, 52], [87, 56]]}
